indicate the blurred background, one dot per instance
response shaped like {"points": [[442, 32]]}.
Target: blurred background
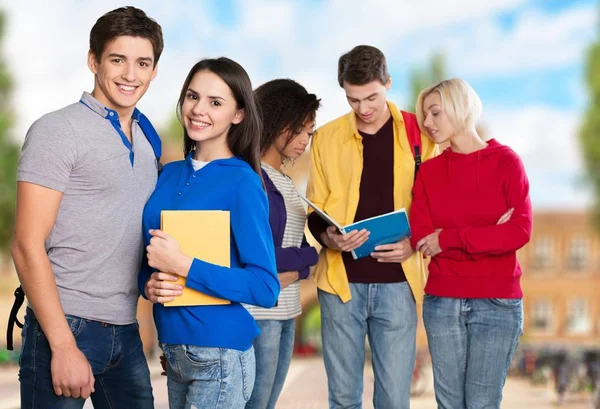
{"points": [[535, 64]]}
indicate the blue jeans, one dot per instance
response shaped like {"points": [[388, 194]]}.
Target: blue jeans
{"points": [[472, 341], [208, 378], [115, 353], [273, 349], [386, 314]]}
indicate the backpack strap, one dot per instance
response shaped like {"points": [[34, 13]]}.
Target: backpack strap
{"points": [[151, 136], [413, 134], [12, 318]]}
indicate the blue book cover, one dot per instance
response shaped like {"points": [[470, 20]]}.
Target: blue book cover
{"points": [[385, 229]]}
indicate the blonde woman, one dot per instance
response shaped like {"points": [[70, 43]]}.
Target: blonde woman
{"points": [[471, 213]]}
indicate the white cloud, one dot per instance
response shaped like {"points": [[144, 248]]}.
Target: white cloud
{"points": [[538, 40], [46, 46], [546, 139], [47, 42]]}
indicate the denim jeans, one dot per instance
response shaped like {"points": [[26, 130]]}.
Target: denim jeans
{"points": [[472, 342], [115, 353], [386, 314], [273, 349], [208, 378]]}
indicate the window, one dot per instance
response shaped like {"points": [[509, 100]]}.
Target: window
{"points": [[578, 317], [578, 252], [542, 316], [542, 256]]}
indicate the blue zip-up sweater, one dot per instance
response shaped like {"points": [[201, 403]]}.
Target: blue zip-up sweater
{"points": [[224, 184]]}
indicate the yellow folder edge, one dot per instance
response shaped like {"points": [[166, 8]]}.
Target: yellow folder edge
{"points": [[202, 234]]}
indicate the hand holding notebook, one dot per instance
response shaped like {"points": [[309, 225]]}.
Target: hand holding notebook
{"points": [[201, 234], [384, 229]]}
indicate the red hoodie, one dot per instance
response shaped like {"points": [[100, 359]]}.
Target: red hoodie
{"points": [[464, 195]]}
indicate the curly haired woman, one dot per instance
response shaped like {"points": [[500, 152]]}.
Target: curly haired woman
{"points": [[288, 115]]}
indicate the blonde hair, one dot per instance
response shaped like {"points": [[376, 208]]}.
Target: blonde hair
{"points": [[460, 102]]}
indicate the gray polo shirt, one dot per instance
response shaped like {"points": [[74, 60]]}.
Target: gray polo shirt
{"points": [[95, 246]]}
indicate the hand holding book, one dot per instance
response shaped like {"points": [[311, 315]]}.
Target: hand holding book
{"points": [[363, 236], [394, 252], [189, 234], [162, 287], [164, 254], [335, 240]]}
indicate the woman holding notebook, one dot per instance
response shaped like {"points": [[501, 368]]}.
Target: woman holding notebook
{"points": [[208, 348], [288, 115], [471, 213]]}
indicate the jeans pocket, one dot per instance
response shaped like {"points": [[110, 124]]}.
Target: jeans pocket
{"points": [[204, 363], [24, 339], [506, 303], [248, 363], [76, 324], [430, 297]]}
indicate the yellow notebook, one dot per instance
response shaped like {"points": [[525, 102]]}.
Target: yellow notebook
{"points": [[205, 235]]}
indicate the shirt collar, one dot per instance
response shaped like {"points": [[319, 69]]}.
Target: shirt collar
{"points": [[395, 113], [92, 103]]}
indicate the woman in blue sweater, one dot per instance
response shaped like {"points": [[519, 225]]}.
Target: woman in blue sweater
{"points": [[288, 116], [210, 359]]}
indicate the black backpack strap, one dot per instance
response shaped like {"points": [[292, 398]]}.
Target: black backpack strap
{"points": [[417, 151], [413, 134], [12, 318]]}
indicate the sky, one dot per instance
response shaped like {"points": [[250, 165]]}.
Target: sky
{"points": [[526, 60]]}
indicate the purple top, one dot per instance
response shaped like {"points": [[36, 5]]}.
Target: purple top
{"points": [[287, 258]]}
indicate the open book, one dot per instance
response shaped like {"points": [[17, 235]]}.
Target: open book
{"points": [[385, 229]]}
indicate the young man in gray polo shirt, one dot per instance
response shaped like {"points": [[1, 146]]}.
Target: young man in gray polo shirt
{"points": [[84, 176]]}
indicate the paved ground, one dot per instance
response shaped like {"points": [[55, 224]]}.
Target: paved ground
{"points": [[306, 388]]}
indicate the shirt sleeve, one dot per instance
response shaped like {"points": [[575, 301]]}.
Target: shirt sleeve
{"points": [[421, 224], [49, 153], [296, 258], [256, 281], [317, 190], [499, 238]]}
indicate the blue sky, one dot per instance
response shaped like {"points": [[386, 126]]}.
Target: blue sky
{"points": [[526, 59], [559, 86]]}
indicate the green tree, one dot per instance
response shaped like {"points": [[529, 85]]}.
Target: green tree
{"points": [[589, 134], [9, 153], [423, 77]]}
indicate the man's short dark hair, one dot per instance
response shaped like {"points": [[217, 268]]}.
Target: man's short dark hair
{"points": [[361, 65], [125, 21]]}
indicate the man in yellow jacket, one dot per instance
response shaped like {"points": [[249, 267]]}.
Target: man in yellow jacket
{"points": [[362, 165]]}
